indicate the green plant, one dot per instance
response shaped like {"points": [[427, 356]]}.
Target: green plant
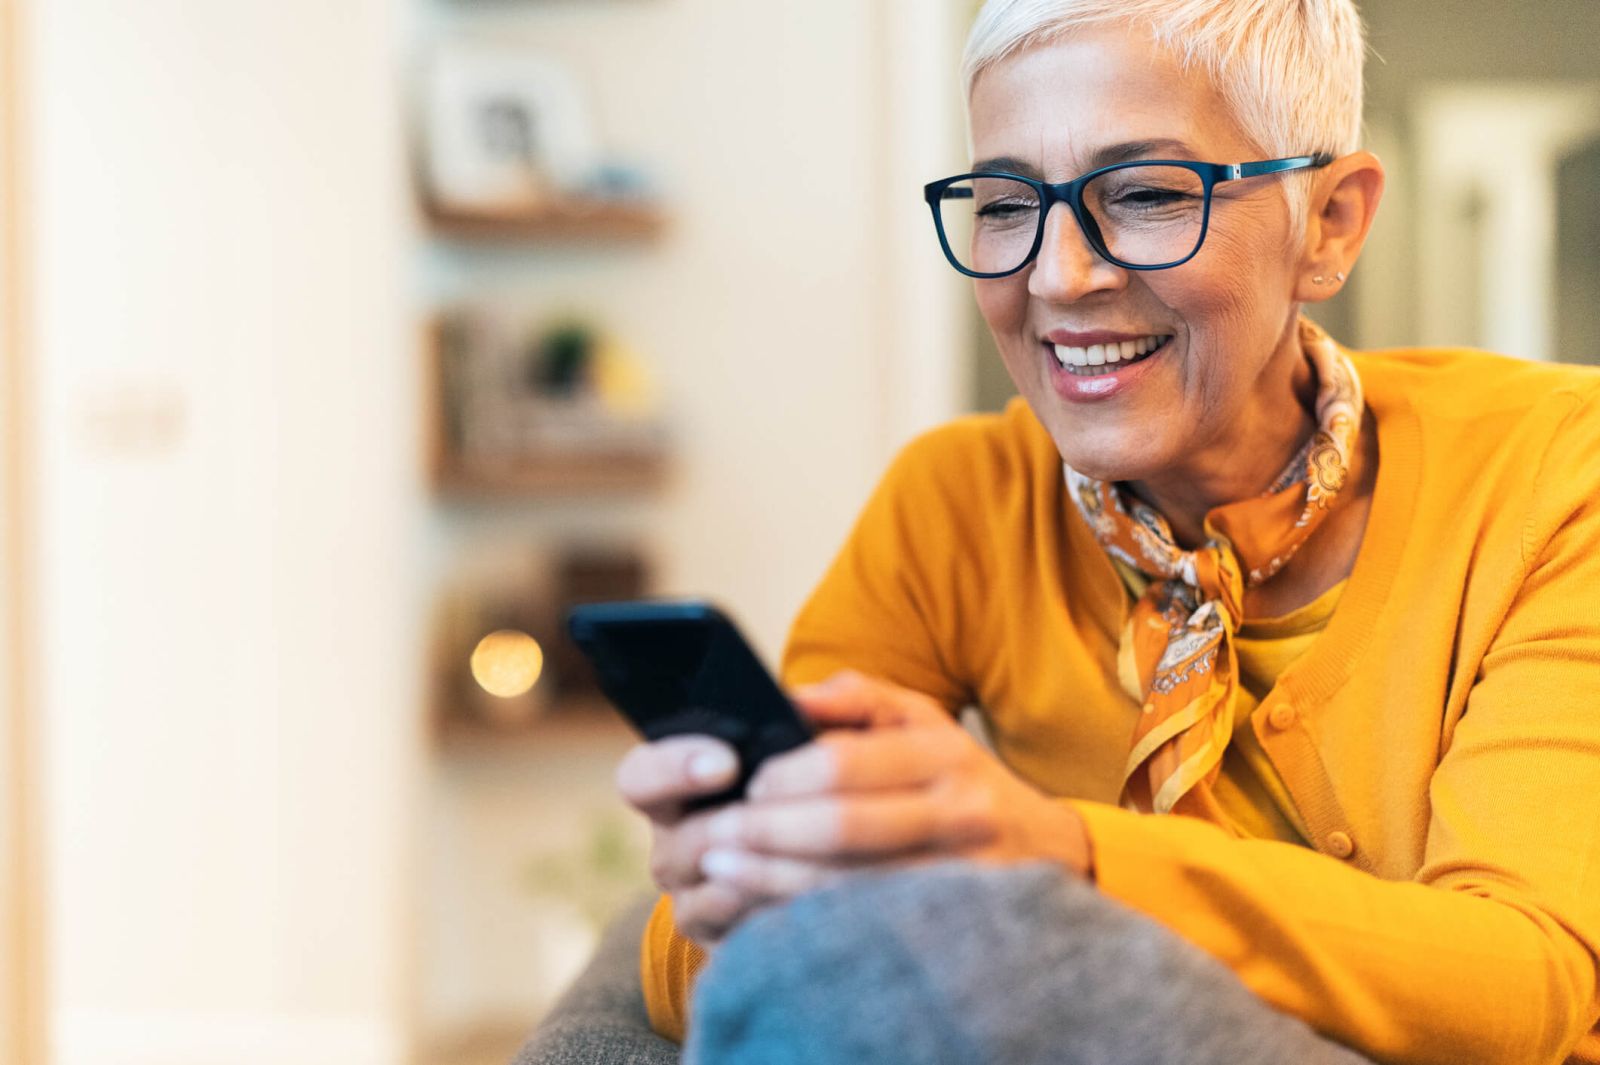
{"points": [[598, 876]]}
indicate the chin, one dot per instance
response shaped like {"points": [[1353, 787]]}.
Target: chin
{"points": [[1111, 472], [1113, 456]]}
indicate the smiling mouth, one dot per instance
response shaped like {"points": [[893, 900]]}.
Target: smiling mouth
{"points": [[1107, 358]]}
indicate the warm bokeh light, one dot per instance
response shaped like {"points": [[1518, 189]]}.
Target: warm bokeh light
{"points": [[507, 663]]}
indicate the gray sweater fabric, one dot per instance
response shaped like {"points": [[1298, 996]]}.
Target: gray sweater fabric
{"points": [[951, 964], [962, 964]]}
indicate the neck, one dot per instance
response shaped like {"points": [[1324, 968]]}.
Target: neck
{"points": [[1240, 464]]}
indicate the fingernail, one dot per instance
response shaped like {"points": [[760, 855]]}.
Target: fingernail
{"points": [[709, 767], [724, 827], [722, 865]]}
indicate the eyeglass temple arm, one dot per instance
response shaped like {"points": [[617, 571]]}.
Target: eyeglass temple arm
{"points": [[1278, 166]]}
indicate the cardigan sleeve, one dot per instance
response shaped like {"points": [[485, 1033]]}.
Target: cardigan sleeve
{"points": [[1490, 953], [895, 603]]}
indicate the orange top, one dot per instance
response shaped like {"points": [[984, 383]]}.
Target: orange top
{"points": [[1439, 742]]}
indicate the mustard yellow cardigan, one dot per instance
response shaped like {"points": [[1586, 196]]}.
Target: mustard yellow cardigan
{"points": [[1440, 741]]}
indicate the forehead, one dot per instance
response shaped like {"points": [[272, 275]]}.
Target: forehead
{"points": [[1060, 103]]}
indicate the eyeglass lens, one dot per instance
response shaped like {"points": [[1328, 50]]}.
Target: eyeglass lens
{"points": [[1146, 216]]}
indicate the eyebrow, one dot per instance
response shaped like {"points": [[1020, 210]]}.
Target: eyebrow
{"points": [[1106, 156]]}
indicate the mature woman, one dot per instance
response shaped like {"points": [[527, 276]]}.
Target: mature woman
{"points": [[1288, 656]]}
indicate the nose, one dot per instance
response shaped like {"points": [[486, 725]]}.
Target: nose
{"points": [[1067, 268]]}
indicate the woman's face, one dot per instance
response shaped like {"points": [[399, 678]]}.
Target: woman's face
{"points": [[1061, 109]]}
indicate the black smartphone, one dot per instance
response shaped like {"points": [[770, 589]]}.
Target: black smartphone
{"points": [[680, 666]]}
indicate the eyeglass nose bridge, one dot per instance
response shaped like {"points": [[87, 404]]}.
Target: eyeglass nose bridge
{"points": [[1070, 195]]}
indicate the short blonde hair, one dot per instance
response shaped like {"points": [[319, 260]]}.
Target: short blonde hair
{"points": [[1290, 70]]}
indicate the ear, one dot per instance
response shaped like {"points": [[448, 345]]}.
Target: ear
{"points": [[1344, 199]]}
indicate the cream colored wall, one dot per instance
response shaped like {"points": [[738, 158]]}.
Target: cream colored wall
{"points": [[229, 505]]}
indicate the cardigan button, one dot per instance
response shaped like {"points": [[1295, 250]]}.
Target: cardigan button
{"points": [[1282, 717], [1340, 845]]}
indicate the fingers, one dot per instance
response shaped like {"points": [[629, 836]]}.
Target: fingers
{"points": [[741, 882], [676, 851], [706, 913], [658, 778], [766, 879], [851, 700], [735, 884], [860, 761], [862, 826]]}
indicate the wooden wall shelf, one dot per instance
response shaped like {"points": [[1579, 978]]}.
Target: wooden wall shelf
{"points": [[558, 475], [586, 721], [566, 221]]}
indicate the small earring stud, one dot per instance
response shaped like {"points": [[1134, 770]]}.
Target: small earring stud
{"points": [[1319, 280], [1339, 276]]}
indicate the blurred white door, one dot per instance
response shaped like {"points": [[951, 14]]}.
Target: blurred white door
{"points": [[227, 480], [1487, 195]]}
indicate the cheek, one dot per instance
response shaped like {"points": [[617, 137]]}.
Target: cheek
{"points": [[1223, 286], [1004, 306], [1244, 265], [1233, 316], [1226, 295]]}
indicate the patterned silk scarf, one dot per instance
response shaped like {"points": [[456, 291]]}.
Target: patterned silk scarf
{"points": [[1178, 642]]}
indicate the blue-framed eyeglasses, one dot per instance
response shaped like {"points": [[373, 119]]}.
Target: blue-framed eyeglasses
{"points": [[1142, 215]]}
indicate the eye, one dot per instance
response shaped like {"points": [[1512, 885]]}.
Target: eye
{"points": [[1006, 209], [1150, 197]]}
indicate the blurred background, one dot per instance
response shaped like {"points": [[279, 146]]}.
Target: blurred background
{"points": [[345, 344]]}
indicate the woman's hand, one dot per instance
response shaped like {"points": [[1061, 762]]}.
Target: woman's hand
{"points": [[891, 781], [659, 780]]}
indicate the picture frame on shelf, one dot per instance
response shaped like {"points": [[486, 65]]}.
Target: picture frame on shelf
{"points": [[505, 132]]}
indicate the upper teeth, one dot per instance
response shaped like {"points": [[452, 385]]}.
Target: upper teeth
{"points": [[1100, 354]]}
